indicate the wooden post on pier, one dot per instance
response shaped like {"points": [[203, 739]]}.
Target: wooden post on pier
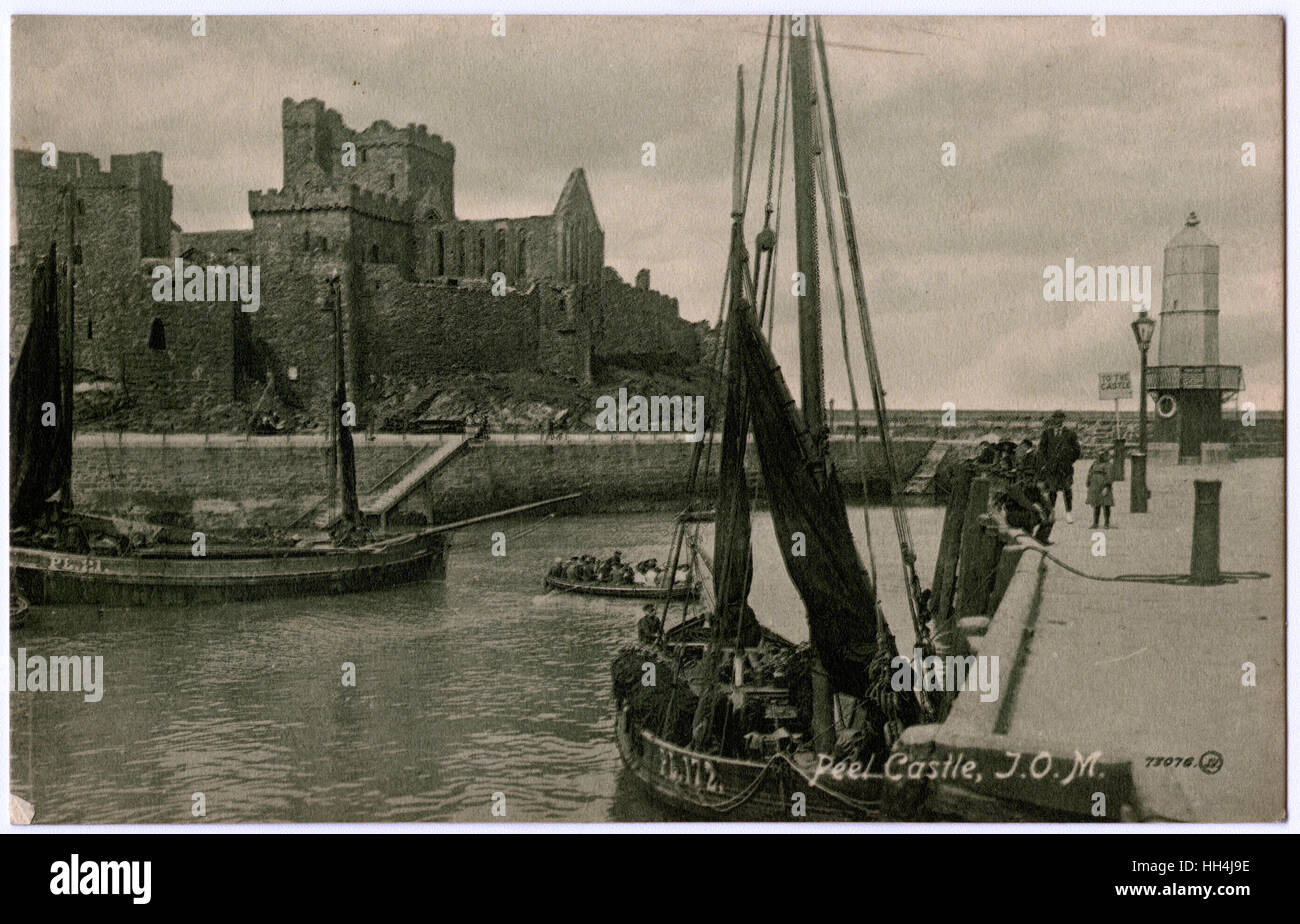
{"points": [[987, 554], [969, 580], [945, 565], [1205, 533]]}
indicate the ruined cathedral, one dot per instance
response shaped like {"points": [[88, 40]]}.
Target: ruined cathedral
{"points": [[424, 293]]}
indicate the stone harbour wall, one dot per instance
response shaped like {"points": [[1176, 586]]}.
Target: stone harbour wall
{"points": [[237, 482]]}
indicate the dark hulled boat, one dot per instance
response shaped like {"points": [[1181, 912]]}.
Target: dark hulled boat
{"points": [[177, 577], [739, 722]]}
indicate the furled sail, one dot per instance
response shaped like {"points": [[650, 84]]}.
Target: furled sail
{"points": [[806, 499], [39, 454], [732, 567]]}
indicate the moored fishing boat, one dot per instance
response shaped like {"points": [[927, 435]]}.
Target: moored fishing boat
{"points": [[156, 577], [60, 556], [737, 721]]}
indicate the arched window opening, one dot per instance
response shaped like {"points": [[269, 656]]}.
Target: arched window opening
{"points": [[306, 240], [157, 335], [439, 263], [482, 254], [521, 262], [500, 256], [374, 253]]}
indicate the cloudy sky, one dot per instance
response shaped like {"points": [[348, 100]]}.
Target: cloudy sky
{"points": [[1068, 146]]}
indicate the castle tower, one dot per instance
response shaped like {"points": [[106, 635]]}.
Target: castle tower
{"points": [[1187, 382]]}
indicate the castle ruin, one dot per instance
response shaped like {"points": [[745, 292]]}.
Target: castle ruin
{"points": [[424, 293]]}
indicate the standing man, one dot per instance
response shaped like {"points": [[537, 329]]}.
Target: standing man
{"points": [[1058, 450]]}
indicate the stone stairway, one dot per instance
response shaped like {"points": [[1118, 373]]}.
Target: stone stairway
{"points": [[381, 499]]}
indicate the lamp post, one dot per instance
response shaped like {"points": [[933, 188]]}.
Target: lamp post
{"points": [[1143, 328]]}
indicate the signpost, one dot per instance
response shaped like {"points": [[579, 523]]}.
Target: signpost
{"points": [[1113, 386]]}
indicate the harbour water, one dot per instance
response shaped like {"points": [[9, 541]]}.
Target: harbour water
{"points": [[480, 685]]}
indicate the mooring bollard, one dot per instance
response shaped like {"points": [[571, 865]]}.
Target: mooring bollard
{"points": [[1205, 533], [1137, 489]]}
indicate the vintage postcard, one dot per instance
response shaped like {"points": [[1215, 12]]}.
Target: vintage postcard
{"points": [[554, 419]]}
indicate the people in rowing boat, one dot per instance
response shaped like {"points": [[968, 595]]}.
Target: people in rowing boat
{"points": [[650, 573], [647, 573], [590, 570]]}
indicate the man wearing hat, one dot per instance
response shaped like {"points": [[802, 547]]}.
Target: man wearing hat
{"points": [[1058, 450]]}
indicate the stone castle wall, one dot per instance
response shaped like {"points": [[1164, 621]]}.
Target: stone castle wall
{"points": [[639, 324], [385, 226]]}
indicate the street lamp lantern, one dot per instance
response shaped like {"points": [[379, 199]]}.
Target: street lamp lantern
{"points": [[1143, 328]]}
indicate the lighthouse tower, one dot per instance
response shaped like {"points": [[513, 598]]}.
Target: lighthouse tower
{"points": [[1188, 384]]}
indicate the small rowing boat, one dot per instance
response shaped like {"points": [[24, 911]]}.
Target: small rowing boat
{"points": [[689, 590]]}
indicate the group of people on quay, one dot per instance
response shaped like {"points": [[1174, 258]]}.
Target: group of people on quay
{"points": [[1028, 478], [614, 570]]}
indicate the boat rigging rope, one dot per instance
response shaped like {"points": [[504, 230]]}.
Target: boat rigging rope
{"points": [[758, 110], [901, 527], [776, 230], [732, 803], [819, 162]]}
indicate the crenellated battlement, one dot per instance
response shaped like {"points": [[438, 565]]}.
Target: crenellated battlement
{"points": [[306, 199], [406, 163], [125, 170], [382, 133]]}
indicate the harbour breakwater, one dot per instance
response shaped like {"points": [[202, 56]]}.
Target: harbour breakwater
{"points": [[225, 481]]}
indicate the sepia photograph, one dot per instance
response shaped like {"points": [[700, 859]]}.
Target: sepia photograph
{"points": [[621, 420]]}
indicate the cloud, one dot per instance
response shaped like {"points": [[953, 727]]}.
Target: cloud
{"points": [[1068, 146]]}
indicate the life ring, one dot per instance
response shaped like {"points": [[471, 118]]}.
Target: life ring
{"points": [[1166, 406]]}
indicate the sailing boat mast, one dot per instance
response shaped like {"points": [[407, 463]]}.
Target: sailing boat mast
{"points": [[342, 447], [805, 211], [810, 316]]}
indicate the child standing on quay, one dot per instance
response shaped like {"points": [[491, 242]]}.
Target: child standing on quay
{"points": [[1101, 497]]}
